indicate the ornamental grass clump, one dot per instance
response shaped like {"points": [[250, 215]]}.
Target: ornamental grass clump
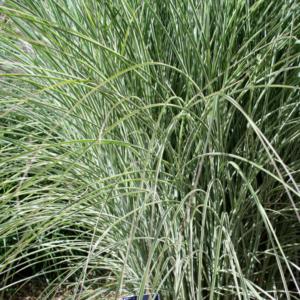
{"points": [[150, 146]]}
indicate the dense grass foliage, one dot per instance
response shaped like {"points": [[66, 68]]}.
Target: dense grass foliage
{"points": [[151, 145]]}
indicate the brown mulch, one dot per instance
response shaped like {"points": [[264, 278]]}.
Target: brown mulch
{"points": [[30, 291]]}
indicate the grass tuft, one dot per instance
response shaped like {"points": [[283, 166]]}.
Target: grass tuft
{"points": [[150, 146]]}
